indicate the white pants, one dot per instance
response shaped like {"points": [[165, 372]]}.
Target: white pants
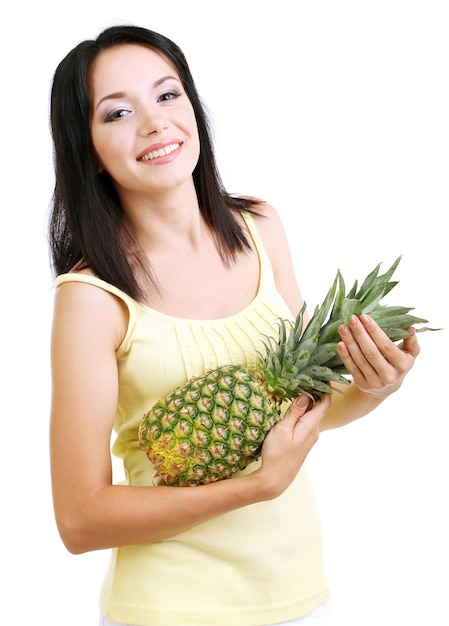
{"points": [[319, 617]]}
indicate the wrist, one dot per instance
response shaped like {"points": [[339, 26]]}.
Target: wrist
{"points": [[262, 484]]}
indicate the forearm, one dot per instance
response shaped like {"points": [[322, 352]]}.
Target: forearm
{"points": [[120, 515], [348, 406]]}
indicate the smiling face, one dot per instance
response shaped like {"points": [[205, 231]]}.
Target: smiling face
{"points": [[143, 125]]}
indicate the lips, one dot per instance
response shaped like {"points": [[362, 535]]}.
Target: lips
{"points": [[154, 154]]}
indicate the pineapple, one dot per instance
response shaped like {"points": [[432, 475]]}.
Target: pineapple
{"points": [[214, 425]]}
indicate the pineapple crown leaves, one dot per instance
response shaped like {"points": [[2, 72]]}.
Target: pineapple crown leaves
{"points": [[289, 366], [305, 360], [365, 299]]}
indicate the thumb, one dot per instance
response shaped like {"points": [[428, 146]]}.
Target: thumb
{"points": [[297, 408]]}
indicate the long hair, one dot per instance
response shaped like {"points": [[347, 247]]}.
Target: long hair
{"points": [[87, 226]]}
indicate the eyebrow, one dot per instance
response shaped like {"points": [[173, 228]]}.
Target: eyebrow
{"points": [[122, 94]]}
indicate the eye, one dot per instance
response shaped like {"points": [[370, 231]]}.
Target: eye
{"points": [[117, 114], [169, 95]]}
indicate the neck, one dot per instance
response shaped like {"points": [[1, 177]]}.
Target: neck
{"points": [[162, 218]]}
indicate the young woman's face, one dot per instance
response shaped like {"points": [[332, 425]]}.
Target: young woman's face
{"points": [[143, 125]]}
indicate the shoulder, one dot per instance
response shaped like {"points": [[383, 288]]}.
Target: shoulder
{"points": [[277, 245], [86, 307], [271, 231], [269, 222], [267, 219]]}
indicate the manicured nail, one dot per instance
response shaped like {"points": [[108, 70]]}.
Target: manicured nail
{"points": [[301, 402]]}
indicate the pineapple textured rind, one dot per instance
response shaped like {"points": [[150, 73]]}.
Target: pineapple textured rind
{"points": [[190, 441]]}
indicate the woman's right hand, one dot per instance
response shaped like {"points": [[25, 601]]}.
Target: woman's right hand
{"points": [[289, 442]]}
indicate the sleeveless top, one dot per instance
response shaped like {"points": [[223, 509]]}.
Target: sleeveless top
{"points": [[259, 564]]}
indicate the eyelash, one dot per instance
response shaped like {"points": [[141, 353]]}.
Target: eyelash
{"points": [[173, 95], [114, 115], [165, 97]]}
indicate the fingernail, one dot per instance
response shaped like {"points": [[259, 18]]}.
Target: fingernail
{"points": [[301, 402], [353, 320]]}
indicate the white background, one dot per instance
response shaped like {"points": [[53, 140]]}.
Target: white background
{"points": [[337, 113]]}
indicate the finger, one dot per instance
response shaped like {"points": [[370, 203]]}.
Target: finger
{"points": [[358, 350], [397, 356], [372, 345], [375, 362], [316, 411], [410, 345], [297, 408]]}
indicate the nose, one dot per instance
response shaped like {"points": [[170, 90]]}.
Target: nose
{"points": [[153, 122]]}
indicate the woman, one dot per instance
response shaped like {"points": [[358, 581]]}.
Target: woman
{"points": [[162, 274]]}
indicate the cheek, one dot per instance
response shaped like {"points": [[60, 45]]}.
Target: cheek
{"points": [[106, 150], [98, 147], [195, 139]]}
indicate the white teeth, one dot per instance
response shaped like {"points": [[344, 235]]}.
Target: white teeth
{"points": [[161, 152]]}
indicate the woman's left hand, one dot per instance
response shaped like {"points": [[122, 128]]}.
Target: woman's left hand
{"points": [[377, 365]]}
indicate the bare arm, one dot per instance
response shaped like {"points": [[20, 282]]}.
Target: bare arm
{"points": [[91, 512]]}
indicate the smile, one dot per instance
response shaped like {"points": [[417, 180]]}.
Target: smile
{"points": [[159, 153]]}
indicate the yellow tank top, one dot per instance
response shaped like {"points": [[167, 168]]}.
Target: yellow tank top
{"points": [[257, 565]]}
